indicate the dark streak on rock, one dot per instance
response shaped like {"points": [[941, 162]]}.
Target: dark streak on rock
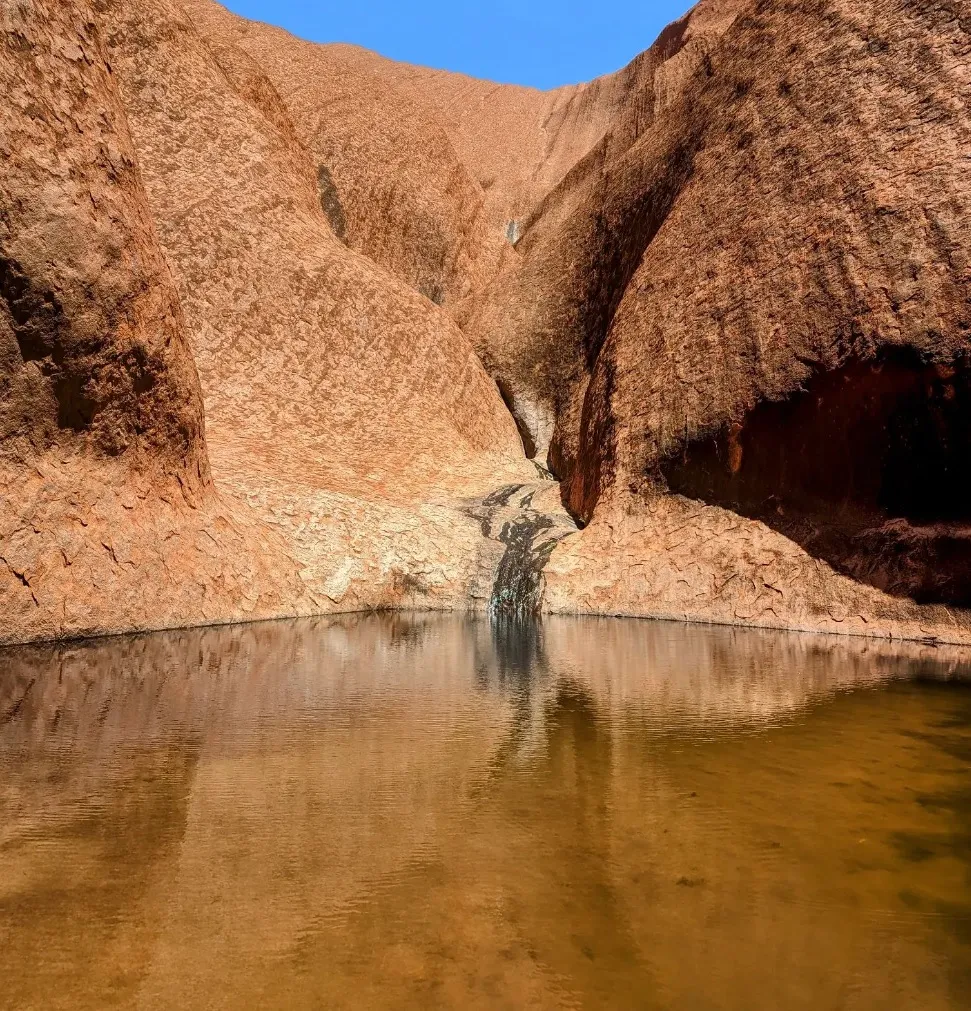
{"points": [[518, 584], [330, 203], [501, 496], [529, 537]]}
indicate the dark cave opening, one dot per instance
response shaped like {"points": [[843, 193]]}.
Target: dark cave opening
{"points": [[867, 468]]}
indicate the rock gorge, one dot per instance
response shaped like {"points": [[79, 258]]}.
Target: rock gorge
{"points": [[290, 329]]}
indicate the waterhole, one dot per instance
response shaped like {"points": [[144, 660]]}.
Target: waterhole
{"points": [[444, 812]]}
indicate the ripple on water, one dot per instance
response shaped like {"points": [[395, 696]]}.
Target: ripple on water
{"points": [[436, 811]]}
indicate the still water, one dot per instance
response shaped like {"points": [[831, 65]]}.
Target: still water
{"points": [[433, 812]]}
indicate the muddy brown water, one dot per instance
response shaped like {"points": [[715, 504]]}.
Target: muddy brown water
{"points": [[439, 812]]}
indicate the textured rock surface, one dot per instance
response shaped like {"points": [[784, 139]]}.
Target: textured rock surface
{"points": [[108, 516], [801, 210], [263, 301], [540, 325], [349, 411]]}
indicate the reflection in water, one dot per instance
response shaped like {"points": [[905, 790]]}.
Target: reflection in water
{"points": [[418, 811]]}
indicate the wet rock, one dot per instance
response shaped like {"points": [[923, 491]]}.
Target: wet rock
{"points": [[523, 524]]}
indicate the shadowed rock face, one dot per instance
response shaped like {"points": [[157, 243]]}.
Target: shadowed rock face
{"points": [[792, 222], [721, 294], [91, 333], [863, 467]]}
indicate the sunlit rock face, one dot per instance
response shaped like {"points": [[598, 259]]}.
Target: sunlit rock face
{"points": [[289, 329], [109, 519]]}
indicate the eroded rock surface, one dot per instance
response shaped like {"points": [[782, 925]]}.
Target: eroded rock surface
{"points": [[108, 515], [291, 329], [761, 302]]}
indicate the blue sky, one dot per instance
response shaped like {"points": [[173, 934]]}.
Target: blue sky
{"points": [[543, 43]]}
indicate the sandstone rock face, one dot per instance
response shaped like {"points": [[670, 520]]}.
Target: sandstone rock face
{"points": [[282, 324], [349, 411], [761, 302], [108, 517], [385, 174], [540, 324]]}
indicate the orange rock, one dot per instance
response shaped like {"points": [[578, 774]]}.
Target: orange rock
{"points": [[108, 517], [721, 293]]}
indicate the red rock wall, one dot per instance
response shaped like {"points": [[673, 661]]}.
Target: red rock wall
{"points": [[108, 517], [266, 306]]}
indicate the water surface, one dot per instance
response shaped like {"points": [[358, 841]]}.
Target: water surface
{"points": [[435, 812]]}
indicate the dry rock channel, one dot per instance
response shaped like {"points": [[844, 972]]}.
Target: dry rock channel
{"points": [[291, 329]]}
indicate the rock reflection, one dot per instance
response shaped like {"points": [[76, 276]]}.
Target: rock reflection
{"points": [[214, 681], [399, 810]]}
